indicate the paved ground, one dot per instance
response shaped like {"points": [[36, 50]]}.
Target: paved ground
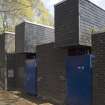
{"points": [[16, 98]]}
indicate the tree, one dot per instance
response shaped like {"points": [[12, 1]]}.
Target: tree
{"points": [[42, 15], [11, 11], [14, 11]]}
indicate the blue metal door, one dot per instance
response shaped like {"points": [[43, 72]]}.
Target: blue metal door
{"points": [[30, 83], [79, 80]]}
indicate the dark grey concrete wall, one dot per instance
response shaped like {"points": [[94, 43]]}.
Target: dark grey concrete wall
{"points": [[98, 41], [11, 72], [2, 49], [7, 45], [92, 18], [29, 35], [19, 38], [9, 42], [51, 73], [20, 61], [66, 23], [75, 20], [2, 61]]}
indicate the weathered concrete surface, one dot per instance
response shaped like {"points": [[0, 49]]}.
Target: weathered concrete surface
{"points": [[29, 35], [16, 98], [52, 73]]}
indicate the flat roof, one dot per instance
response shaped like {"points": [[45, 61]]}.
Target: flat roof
{"points": [[7, 32], [60, 2], [85, 0], [37, 24]]}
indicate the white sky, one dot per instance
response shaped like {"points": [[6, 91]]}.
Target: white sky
{"points": [[50, 3]]}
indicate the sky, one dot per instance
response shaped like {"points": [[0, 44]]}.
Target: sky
{"points": [[50, 4]]}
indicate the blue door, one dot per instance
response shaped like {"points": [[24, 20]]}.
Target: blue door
{"points": [[79, 80], [30, 83]]}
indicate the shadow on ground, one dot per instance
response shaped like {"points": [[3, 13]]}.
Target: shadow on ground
{"points": [[33, 99]]}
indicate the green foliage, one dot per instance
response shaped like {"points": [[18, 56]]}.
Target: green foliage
{"points": [[14, 11], [43, 16]]}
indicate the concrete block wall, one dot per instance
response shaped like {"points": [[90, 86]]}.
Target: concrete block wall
{"points": [[98, 50], [75, 20], [51, 72], [2, 50], [20, 70], [11, 72], [9, 42], [29, 35], [2, 60], [7, 45]]}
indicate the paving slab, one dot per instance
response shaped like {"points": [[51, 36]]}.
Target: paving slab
{"points": [[15, 98]]}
